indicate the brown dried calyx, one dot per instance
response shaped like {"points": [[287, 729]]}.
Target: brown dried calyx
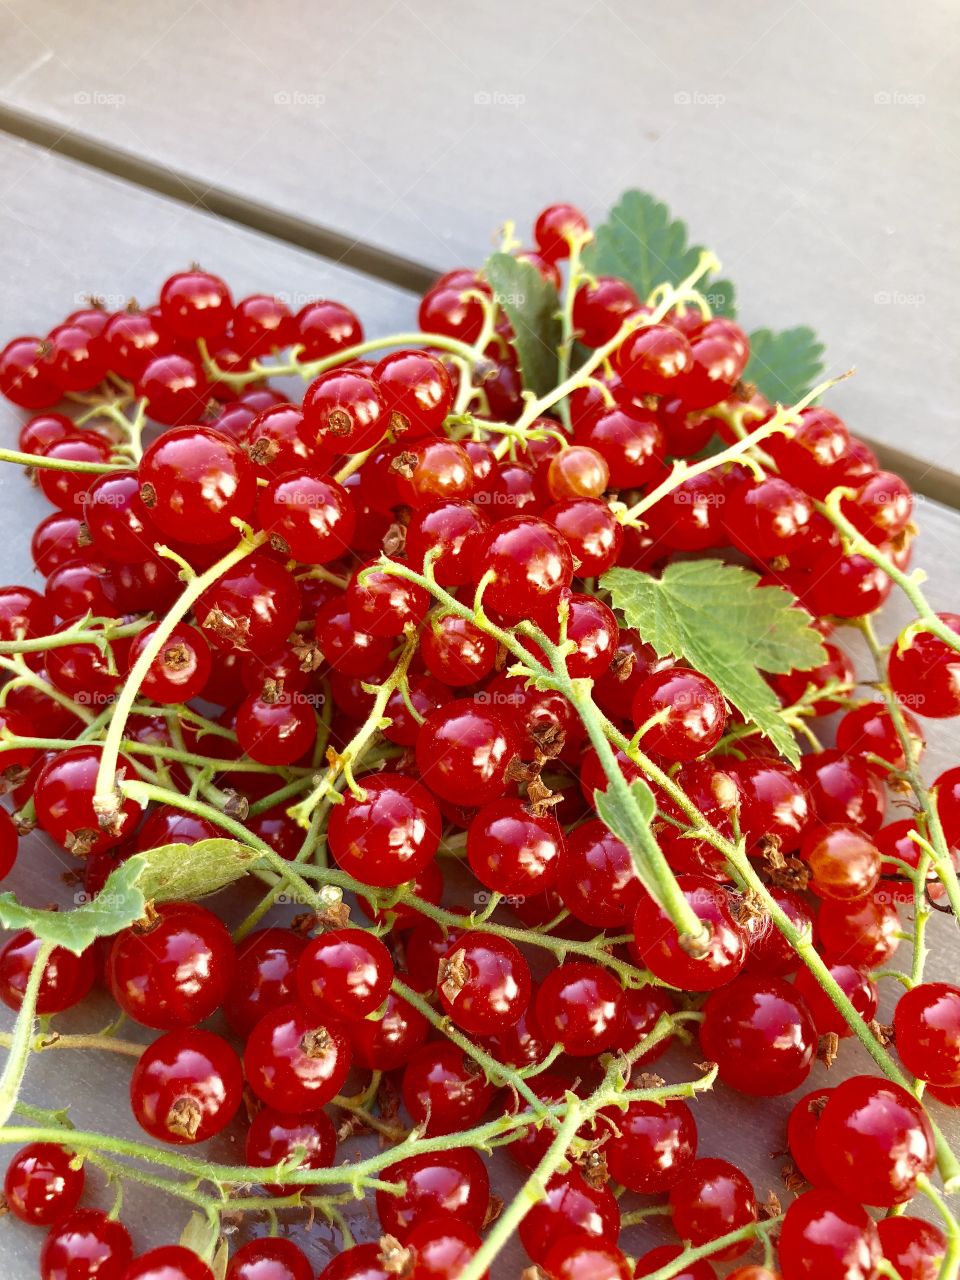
{"points": [[176, 657], [785, 873], [317, 1042], [395, 1259], [453, 974], [235, 632], [828, 1049], [184, 1118], [404, 464]]}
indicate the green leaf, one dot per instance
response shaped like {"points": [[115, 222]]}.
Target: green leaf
{"points": [[784, 366], [609, 812], [182, 872], [173, 872], [533, 309], [200, 1235], [643, 244], [715, 616]]}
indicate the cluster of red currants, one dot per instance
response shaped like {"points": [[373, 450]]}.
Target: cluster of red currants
{"points": [[376, 457]]}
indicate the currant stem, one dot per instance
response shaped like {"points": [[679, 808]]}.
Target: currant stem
{"points": [[59, 464], [20, 1042], [105, 801]]}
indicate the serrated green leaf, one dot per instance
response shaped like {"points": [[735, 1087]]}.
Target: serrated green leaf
{"points": [[532, 306], [182, 872], [643, 244], [715, 616], [607, 808], [629, 820], [119, 905], [785, 366], [173, 872]]}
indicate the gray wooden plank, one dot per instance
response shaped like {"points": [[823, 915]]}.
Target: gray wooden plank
{"points": [[805, 142]]}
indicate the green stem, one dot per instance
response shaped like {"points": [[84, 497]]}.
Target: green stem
{"points": [[59, 464], [15, 1066], [105, 802]]}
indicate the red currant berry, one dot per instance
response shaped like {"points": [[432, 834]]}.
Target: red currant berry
{"points": [[308, 517], [132, 339], [193, 482], [512, 850], [658, 1258], [629, 440], [261, 323], [64, 802], [41, 1184], [175, 389], [453, 1182], [658, 1142], [844, 863], [351, 651], [86, 1245], [66, 490], [658, 944], [277, 730], [187, 1086], [463, 752], [196, 304], [712, 1199], [871, 729], [417, 390], [169, 1262], [687, 710], [344, 974], [264, 977], [654, 360], [802, 1125], [864, 933], [175, 972], [844, 790], [67, 979], [882, 507], [484, 983], [443, 1090], [916, 1248], [25, 377], [927, 1027], [390, 836], [826, 1236], [451, 529], [74, 360], [345, 411], [325, 328], [252, 608], [924, 671], [600, 308], [295, 1063], [875, 1136], [269, 1258], [180, 670], [556, 228], [456, 651], [381, 604], [597, 879], [856, 985], [760, 1033], [386, 1043], [530, 564], [569, 1204], [592, 533], [442, 1248], [274, 1137], [581, 1006]]}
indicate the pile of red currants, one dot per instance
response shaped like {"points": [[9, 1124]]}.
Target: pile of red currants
{"points": [[367, 636]]}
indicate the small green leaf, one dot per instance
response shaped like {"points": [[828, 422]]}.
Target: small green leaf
{"points": [[715, 616], [607, 807], [784, 366], [643, 244], [173, 872], [200, 1235], [118, 905], [533, 309], [182, 872]]}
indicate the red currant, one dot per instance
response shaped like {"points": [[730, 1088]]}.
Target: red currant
{"points": [[927, 1027], [274, 1137], [658, 944], [86, 1245], [826, 1236], [264, 977], [344, 974], [484, 983], [463, 752], [443, 1090], [390, 836], [344, 410], [760, 1033], [293, 1062], [41, 1183], [269, 1258], [325, 328], [453, 1182], [569, 1204], [712, 1199], [512, 850], [581, 1006], [186, 1087], [196, 304]]}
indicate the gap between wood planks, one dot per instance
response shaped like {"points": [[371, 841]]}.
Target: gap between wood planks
{"points": [[933, 482]]}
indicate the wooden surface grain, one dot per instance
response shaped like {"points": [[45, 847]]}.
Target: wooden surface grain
{"points": [[808, 143]]}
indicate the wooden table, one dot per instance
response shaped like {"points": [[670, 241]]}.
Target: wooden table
{"points": [[355, 151]]}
